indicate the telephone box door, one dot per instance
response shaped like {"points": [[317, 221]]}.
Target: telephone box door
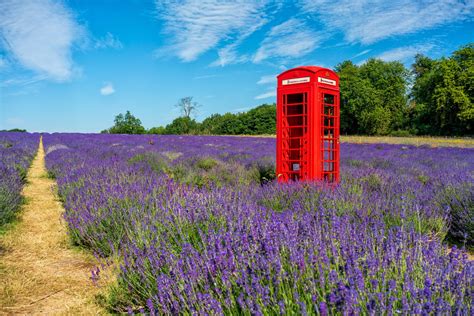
{"points": [[294, 134], [329, 135]]}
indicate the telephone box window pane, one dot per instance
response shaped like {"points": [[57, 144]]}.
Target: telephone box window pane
{"points": [[328, 122], [295, 98], [328, 110], [328, 166], [296, 110], [328, 99], [328, 133], [295, 121], [329, 144]]}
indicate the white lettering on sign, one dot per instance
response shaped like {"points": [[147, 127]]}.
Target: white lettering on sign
{"points": [[295, 80], [327, 81]]}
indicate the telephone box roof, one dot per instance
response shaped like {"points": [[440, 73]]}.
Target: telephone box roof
{"points": [[313, 69]]}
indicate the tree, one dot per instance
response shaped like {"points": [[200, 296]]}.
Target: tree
{"points": [[350, 100], [211, 125], [373, 97], [260, 120], [443, 94], [187, 106], [127, 124], [159, 130], [390, 80], [181, 125], [18, 130], [231, 124]]}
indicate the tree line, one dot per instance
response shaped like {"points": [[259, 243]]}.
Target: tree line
{"points": [[258, 121], [433, 97]]}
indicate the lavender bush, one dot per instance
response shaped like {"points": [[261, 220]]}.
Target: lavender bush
{"points": [[198, 230], [16, 153]]}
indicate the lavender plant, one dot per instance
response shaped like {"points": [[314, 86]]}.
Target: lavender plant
{"points": [[196, 232], [16, 153]]}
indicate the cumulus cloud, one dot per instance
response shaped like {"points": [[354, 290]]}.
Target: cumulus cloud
{"points": [[107, 89], [197, 26], [40, 34], [368, 21], [292, 38]]}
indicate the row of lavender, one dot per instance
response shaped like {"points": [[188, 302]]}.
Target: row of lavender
{"points": [[16, 153], [197, 232]]}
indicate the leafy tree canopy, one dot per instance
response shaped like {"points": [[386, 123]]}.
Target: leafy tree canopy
{"points": [[126, 124]]}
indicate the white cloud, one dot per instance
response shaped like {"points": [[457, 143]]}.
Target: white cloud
{"points": [[364, 52], [229, 55], [239, 110], [107, 89], [197, 26], [290, 39], [205, 77], [40, 34], [368, 21], [108, 41], [22, 81], [405, 53], [267, 79], [269, 94]]}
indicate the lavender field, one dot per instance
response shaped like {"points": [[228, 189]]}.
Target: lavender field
{"points": [[16, 153], [198, 226]]}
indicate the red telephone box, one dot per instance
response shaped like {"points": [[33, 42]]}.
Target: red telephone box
{"points": [[308, 124]]}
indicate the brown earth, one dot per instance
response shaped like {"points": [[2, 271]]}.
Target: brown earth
{"points": [[40, 273]]}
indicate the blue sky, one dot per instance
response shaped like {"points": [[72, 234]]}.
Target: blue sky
{"points": [[71, 66]]}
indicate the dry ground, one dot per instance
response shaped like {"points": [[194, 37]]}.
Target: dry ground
{"points": [[40, 273]]}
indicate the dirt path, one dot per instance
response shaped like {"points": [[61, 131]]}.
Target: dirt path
{"points": [[39, 272]]}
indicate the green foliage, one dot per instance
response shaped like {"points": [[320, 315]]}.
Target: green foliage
{"points": [[210, 124], [10, 202], [443, 94], [206, 163], [181, 125], [126, 124], [257, 121], [260, 120], [266, 172], [460, 202], [18, 130], [230, 124], [159, 130], [155, 161], [373, 97]]}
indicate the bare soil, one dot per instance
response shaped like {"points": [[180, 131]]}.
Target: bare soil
{"points": [[40, 272]]}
